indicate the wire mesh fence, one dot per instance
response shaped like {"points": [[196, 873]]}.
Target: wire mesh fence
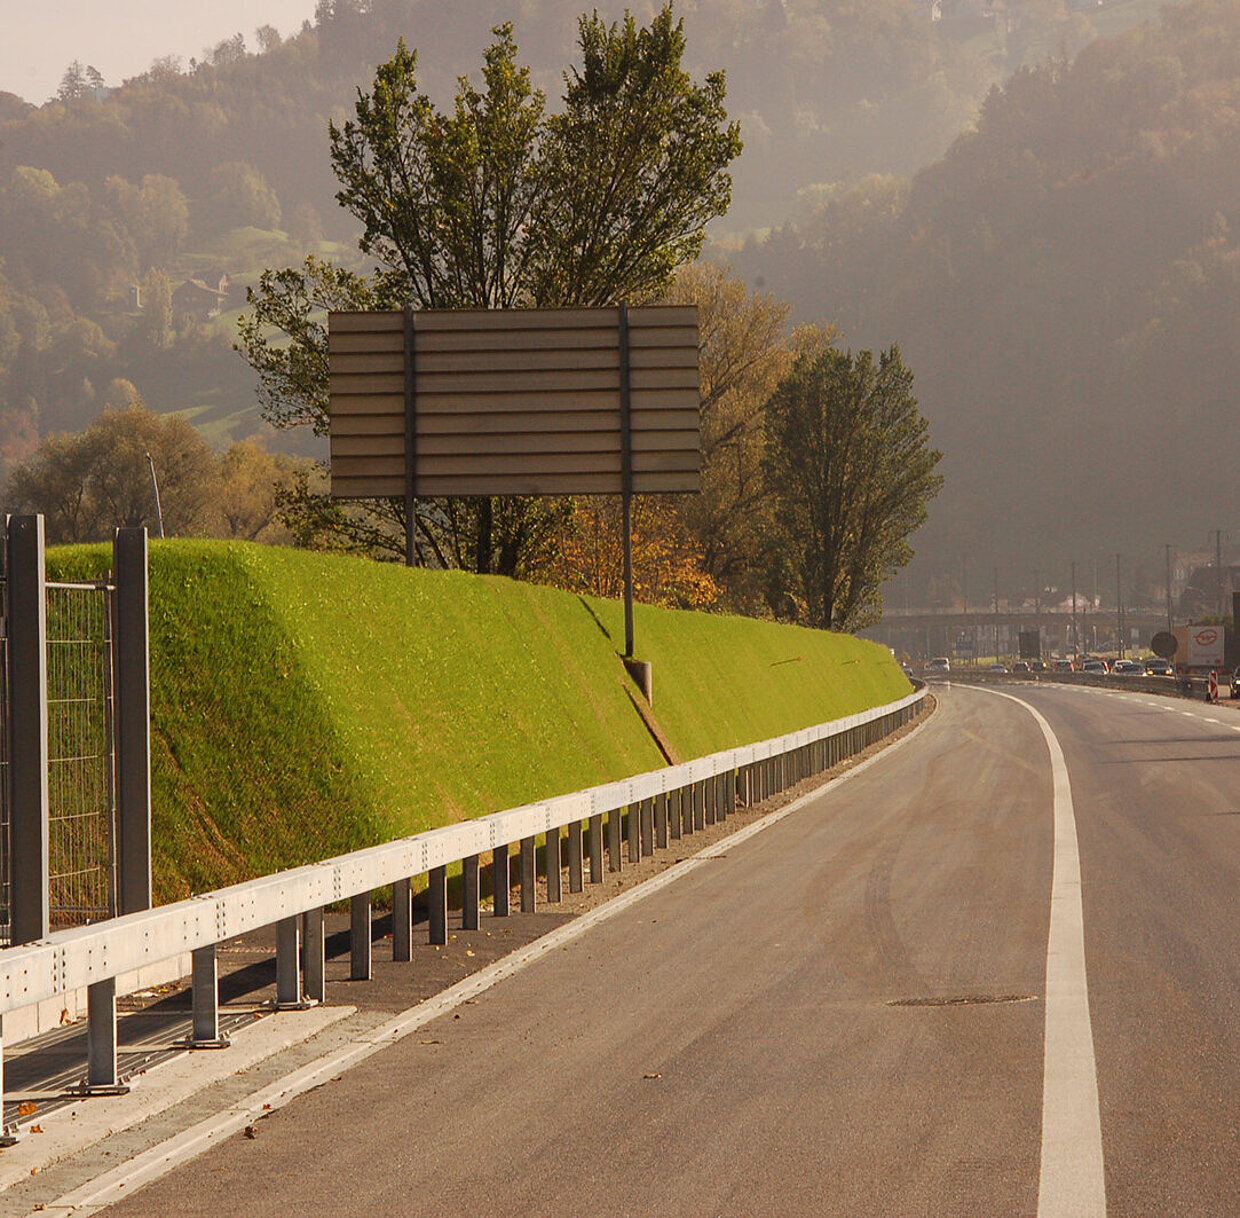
{"points": [[81, 756]]}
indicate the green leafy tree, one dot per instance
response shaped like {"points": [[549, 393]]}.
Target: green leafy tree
{"points": [[852, 472], [498, 205], [90, 483]]}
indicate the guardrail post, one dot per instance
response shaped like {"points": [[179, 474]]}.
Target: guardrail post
{"points": [[27, 622], [360, 961], [501, 881], [470, 892], [7, 1137], [709, 799], [102, 1068], [205, 994], [673, 813], [529, 894], [613, 840], [133, 721], [437, 897], [634, 833], [576, 858], [596, 849], [288, 964], [660, 820], [699, 806], [553, 866], [402, 920], [315, 956], [647, 826]]}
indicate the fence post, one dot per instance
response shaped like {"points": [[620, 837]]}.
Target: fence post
{"points": [[501, 880], [360, 960], [27, 614], [596, 849], [6, 1138], [437, 898], [133, 720], [205, 1032], [314, 956], [576, 857], [402, 920], [554, 866], [470, 892], [288, 964], [529, 895], [102, 1065]]}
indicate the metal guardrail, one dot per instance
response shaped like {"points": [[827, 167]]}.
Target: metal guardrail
{"points": [[657, 804]]}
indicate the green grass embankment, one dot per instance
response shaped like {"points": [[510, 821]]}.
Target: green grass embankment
{"points": [[304, 705]]}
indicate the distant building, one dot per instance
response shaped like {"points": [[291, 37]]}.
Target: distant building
{"points": [[201, 298], [1201, 593]]}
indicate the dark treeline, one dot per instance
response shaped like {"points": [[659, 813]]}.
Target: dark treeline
{"points": [[114, 201], [1067, 282]]}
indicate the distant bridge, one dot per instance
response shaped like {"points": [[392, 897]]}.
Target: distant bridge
{"points": [[927, 632]]}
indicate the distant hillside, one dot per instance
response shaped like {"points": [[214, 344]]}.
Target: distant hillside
{"points": [[132, 218], [1065, 283], [305, 705]]}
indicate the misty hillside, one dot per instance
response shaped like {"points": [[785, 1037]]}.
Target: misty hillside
{"points": [[132, 217], [1065, 283]]}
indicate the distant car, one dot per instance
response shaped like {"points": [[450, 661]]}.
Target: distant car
{"points": [[1039, 666], [908, 672], [1156, 666], [1127, 668], [997, 668], [1235, 684], [1064, 666], [1020, 666], [940, 664], [1095, 666]]}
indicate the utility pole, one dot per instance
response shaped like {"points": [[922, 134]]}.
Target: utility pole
{"points": [[1075, 634], [159, 511], [1119, 611], [1218, 572], [1167, 548], [996, 611]]}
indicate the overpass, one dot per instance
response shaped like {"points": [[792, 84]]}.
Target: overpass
{"points": [[926, 632]]}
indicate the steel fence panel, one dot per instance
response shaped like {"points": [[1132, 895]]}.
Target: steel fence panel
{"points": [[81, 759]]}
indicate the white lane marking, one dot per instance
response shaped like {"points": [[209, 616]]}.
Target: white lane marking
{"points": [[1071, 1183], [1216, 722], [125, 1180]]}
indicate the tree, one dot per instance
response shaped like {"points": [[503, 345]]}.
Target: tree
{"points": [[497, 205], [852, 473], [743, 354], [239, 195], [667, 564], [88, 484], [73, 84]]}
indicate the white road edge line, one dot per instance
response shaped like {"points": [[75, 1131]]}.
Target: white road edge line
{"points": [[125, 1180], [1071, 1182]]}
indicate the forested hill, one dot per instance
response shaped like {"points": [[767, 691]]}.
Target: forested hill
{"points": [[133, 215], [1066, 283]]}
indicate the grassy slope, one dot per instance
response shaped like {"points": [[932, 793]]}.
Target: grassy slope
{"points": [[304, 705]]}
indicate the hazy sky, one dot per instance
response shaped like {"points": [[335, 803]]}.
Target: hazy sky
{"points": [[39, 39]]}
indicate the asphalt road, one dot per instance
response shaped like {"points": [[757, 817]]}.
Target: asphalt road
{"points": [[842, 1015]]}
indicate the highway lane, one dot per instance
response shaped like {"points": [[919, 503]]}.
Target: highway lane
{"points": [[843, 1015], [1157, 789]]}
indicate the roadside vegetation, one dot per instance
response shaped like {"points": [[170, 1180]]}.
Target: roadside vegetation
{"points": [[307, 704]]}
